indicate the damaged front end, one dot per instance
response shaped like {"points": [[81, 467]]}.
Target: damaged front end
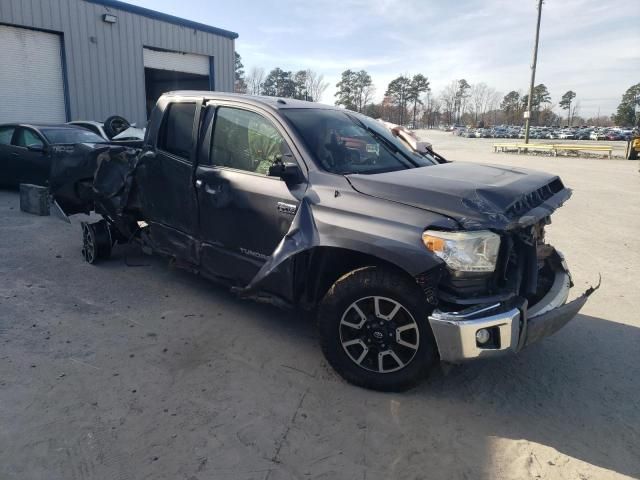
{"points": [[521, 302]]}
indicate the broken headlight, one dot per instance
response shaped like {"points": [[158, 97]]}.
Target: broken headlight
{"points": [[465, 251]]}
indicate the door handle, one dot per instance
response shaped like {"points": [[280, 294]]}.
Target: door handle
{"points": [[198, 183]]}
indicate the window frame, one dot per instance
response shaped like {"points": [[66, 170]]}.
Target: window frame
{"points": [[264, 115], [161, 136]]}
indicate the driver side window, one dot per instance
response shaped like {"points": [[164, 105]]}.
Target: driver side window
{"points": [[246, 141]]}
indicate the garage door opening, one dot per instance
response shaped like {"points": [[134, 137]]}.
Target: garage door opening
{"points": [[158, 82], [166, 71]]}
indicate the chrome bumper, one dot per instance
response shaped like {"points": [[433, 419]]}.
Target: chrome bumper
{"points": [[511, 328]]}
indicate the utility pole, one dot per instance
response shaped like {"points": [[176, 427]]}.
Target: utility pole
{"points": [[533, 76]]}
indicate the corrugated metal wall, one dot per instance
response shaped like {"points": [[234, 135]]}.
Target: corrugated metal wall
{"points": [[104, 65]]}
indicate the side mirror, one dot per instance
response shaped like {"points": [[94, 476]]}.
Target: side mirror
{"points": [[288, 171], [36, 148]]}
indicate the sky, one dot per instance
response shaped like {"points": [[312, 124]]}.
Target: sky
{"points": [[589, 46]]}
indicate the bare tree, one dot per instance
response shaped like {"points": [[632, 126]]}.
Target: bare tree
{"points": [[316, 85], [449, 100], [575, 110], [492, 104], [255, 80], [478, 98]]}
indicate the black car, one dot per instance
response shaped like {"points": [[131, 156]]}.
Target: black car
{"points": [[26, 150], [404, 259]]}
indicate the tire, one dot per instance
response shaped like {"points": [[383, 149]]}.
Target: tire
{"points": [[344, 342], [96, 241], [115, 125]]}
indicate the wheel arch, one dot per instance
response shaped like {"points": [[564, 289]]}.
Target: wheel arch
{"points": [[318, 268]]}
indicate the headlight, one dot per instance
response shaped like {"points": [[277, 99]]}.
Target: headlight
{"points": [[465, 251]]}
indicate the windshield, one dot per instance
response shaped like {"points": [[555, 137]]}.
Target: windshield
{"points": [[345, 142], [70, 135]]}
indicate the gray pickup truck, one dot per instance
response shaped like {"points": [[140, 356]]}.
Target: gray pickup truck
{"points": [[405, 258]]}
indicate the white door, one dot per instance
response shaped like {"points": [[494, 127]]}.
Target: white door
{"points": [[31, 81], [176, 62]]}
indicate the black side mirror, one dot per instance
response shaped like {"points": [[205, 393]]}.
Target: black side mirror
{"points": [[288, 171], [36, 148]]}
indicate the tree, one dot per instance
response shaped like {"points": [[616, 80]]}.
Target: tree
{"points": [[239, 85], [565, 103], [419, 85], [479, 98], [448, 98], [398, 92], [279, 83], [540, 95], [355, 90], [493, 101], [300, 85], [316, 85], [255, 79], [626, 113], [462, 93], [511, 106]]}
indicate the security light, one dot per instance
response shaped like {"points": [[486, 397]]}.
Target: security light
{"points": [[108, 18]]}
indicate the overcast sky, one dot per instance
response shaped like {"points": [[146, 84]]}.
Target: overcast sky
{"points": [[589, 46]]}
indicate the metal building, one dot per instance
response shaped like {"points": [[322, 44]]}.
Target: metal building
{"points": [[64, 60]]}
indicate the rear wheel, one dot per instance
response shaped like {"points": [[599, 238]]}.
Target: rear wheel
{"points": [[96, 241], [374, 329]]}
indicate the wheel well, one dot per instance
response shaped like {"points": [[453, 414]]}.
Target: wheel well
{"points": [[317, 269]]}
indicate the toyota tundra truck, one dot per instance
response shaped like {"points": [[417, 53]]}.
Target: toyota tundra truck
{"points": [[405, 258]]}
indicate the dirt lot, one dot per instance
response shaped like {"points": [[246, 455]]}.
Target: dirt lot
{"points": [[123, 371]]}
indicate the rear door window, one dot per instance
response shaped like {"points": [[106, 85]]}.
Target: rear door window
{"points": [[27, 137], [176, 133], [6, 133]]}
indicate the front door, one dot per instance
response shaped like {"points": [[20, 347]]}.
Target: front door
{"points": [[165, 179], [30, 166], [244, 213]]}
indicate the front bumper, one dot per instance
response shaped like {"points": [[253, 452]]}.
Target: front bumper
{"points": [[511, 325]]}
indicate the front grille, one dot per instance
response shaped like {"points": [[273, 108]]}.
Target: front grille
{"points": [[535, 198]]}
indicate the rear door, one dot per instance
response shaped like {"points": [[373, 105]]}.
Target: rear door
{"points": [[166, 183], [244, 213]]}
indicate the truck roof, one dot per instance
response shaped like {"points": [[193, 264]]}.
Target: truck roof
{"points": [[279, 103]]}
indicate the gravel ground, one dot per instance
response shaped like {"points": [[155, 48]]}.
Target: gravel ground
{"points": [[135, 370]]}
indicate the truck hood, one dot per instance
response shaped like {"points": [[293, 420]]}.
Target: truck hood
{"points": [[476, 196]]}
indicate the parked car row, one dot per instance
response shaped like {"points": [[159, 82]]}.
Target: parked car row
{"points": [[546, 133], [26, 150]]}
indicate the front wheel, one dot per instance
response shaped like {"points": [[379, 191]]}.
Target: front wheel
{"points": [[374, 329]]}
